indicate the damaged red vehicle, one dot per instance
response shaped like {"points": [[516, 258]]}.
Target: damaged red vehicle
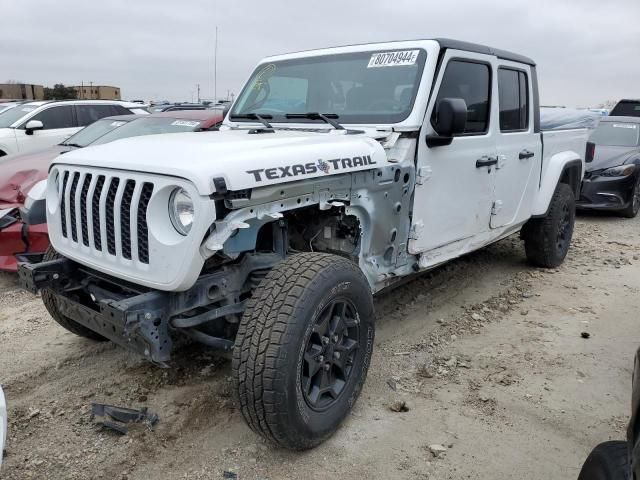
{"points": [[22, 240]]}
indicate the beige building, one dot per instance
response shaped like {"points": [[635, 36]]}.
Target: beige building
{"points": [[97, 92], [21, 91]]}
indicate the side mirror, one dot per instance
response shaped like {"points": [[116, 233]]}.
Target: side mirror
{"points": [[32, 126], [450, 120]]}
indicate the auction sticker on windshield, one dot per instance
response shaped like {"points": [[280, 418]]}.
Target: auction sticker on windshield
{"points": [[185, 123], [393, 59]]}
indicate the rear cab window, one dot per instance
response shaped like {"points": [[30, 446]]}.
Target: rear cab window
{"points": [[513, 96]]}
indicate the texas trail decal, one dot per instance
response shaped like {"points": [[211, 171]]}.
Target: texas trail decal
{"points": [[335, 164]]}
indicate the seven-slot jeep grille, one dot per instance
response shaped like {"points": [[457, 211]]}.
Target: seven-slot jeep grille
{"points": [[97, 212]]}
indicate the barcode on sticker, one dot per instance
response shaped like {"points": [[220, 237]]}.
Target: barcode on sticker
{"points": [[393, 59], [185, 123]]}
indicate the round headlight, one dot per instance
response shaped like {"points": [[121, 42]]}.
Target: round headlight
{"points": [[181, 210]]}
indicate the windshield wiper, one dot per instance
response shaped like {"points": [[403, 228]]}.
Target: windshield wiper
{"points": [[72, 145], [325, 117], [253, 116]]}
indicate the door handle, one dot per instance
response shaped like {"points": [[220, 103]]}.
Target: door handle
{"points": [[486, 161], [525, 154]]}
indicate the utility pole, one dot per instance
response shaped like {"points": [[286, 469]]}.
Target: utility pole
{"points": [[90, 90], [215, 69], [198, 87], [81, 89]]}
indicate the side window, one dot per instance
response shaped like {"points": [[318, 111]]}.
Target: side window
{"points": [[88, 114], [56, 117], [514, 100], [471, 82]]}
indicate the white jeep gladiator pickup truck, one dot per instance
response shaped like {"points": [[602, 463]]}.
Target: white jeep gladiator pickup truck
{"points": [[337, 173]]}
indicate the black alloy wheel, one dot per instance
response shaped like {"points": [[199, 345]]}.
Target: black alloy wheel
{"points": [[330, 354]]}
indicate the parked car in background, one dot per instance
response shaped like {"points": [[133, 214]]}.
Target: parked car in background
{"points": [[612, 179], [618, 459], [626, 108], [27, 237], [178, 106], [7, 105], [37, 125]]}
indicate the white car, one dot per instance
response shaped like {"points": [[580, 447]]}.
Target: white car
{"points": [[3, 424], [37, 125]]}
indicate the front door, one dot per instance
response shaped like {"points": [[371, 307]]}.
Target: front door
{"points": [[519, 147], [59, 124], [455, 183]]}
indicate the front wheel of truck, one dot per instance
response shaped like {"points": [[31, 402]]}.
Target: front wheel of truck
{"points": [[303, 349], [547, 239], [49, 300]]}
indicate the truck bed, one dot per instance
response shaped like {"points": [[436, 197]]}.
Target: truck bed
{"points": [[559, 141]]}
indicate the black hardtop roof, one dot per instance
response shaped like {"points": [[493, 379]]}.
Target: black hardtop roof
{"points": [[477, 48], [454, 44]]}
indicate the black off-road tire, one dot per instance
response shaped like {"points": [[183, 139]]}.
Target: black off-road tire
{"points": [[607, 461], [276, 339], [547, 239], [49, 300], [634, 204]]}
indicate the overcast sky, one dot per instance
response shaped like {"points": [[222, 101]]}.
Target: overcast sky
{"points": [[587, 51]]}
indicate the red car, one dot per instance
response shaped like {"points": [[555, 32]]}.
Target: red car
{"points": [[19, 173]]}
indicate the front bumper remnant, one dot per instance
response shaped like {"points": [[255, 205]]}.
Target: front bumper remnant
{"points": [[142, 320], [138, 323]]}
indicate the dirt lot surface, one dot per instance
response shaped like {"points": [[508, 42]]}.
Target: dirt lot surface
{"points": [[485, 355]]}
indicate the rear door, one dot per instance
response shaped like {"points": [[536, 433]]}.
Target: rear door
{"points": [[519, 147], [454, 191], [59, 124]]}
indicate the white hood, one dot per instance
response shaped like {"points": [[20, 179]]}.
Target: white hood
{"points": [[242, 159]]}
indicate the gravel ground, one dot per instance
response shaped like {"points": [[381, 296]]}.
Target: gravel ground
{"points": [[480, 370]]}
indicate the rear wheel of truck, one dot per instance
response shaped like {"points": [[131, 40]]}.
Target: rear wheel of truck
{"points": [[303, 349], [547, 239], [50, 303], [634, 205], [607, 461]]}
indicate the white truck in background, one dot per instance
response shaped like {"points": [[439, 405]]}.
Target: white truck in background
{"points": [[337, 173]]}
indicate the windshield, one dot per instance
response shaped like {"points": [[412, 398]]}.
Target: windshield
{"points": [[91, 133], [616, 134], [366, 87], [11, 116], [149, 126]]}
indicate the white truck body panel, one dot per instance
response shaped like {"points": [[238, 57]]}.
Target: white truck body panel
{"points": [[233, 154], [457, 206]]}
